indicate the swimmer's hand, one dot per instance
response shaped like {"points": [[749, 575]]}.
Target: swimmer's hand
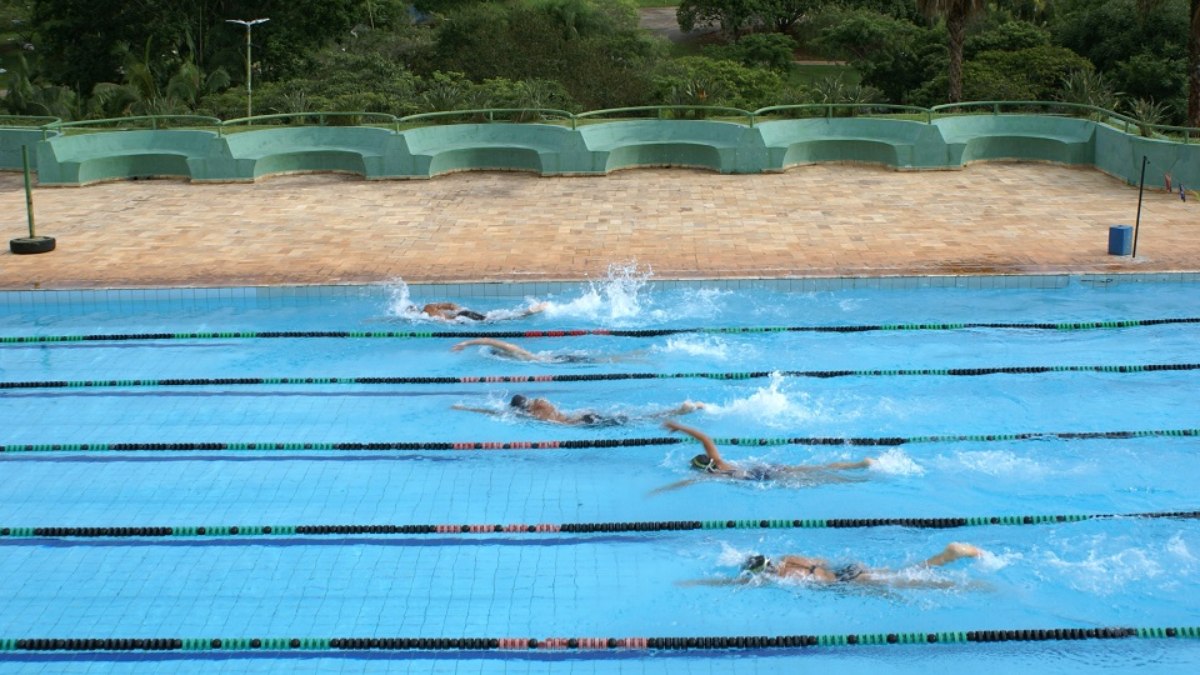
{"points": [[460, 346], [537, 308], [672, 425]]}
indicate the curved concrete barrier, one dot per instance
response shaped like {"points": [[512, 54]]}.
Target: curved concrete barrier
{"points": [[600, 147], [11, 141], [264, 152], [975, 138], [88, 158], [695, 143], [541, 148], [900, 144]]}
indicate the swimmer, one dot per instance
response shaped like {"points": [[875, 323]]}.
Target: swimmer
{"points": [[450, 311], [545, 411], [821, 571], [510, 351], [714, 466]]}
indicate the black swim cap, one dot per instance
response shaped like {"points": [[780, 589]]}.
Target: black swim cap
{"points": [[756, 563], [519, 401], [704, 463]]}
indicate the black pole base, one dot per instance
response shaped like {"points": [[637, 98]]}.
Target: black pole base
{"points": [[28, 245]]}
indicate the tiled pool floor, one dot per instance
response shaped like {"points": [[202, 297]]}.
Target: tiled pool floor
{"points": [[830, 220]]}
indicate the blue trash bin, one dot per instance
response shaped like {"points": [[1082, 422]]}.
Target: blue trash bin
{"points": [[1120, 240]]}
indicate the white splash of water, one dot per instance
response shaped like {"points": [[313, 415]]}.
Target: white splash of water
{"points": [[1106, 573], [895, 462], [401, 306], [692, 345], [733, 557], [774, 405], [1177, 547], [616, 300], [1000, 463], [991, 561], [399, 302]]}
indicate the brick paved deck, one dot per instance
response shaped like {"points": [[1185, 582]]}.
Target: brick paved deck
{"points": [[811, 221]]}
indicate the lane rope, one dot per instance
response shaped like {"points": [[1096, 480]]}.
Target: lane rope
{"points": [[581, 444], [223, 531], [651, 332], [588, 377], [707, 643]]}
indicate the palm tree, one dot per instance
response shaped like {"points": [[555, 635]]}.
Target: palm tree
{"points": [[956, 13]]}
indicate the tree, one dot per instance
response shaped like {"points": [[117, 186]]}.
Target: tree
{"points": [[956, 13], [1193, 57], [78, 39], [783, 15], [890, 53], [730, 15]]}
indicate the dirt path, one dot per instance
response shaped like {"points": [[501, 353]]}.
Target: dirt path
{"points": [[662, 21]]}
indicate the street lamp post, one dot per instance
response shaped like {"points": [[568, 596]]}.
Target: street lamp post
{"points": [[249, 89]]}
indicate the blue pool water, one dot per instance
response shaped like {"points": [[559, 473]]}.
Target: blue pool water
{"points": [[1110, 572]]}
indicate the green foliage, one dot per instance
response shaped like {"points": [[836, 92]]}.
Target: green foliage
{"points": [[783, 16], [78, 40], [1034, 74], [838, 90], [1146, 75], [1146, 57], [503, 93], [1090, 88], [1007, 35], [1038, 70], [734, 17], [1147, 113], [364, 74], [28, 94], [897, 9], [772, 51], [704, 81], [731, 16], [1108, 32], [593, 48], [893, 55]]}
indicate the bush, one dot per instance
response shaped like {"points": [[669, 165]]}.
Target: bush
{"points": [[717, 82], [1034, 74], [762, 50]]}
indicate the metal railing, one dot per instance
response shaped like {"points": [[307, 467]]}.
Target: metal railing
{"points": [[727, 114]]}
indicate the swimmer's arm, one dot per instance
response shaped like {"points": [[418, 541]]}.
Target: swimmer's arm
{"points": [[685, 408], [509, 349], [710, 448], [534, 309], [485, 411], [673, 486], [931, 584]]}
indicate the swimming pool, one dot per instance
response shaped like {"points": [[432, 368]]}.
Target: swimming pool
{"points": [[1034, 417]]}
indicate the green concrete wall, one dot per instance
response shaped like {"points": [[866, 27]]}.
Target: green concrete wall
{"points": [[975, 138], [11, 141], [900, 144], [1120, 155], [598, 148], [88, 158]]}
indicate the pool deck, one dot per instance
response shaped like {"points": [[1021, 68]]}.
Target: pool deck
{"points": [[814, 221]]}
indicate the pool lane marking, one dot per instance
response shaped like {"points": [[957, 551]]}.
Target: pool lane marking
{"points": [[225, 531], [581, 444], [646, 332], [270, 646], [586, 377]]}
